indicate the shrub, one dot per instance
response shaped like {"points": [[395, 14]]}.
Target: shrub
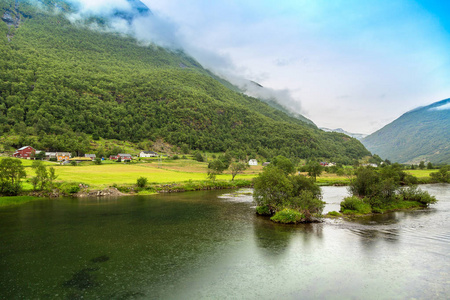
{"points": [[141, 182], [288, 216], [306, 202], [73, 189], [416, 194], [355, 204], [334, 214], [263, 211], [198, 157], [175, 157], [98, 161]]}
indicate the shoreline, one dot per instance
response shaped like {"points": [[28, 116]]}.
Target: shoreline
{"points": [[132, 190]]}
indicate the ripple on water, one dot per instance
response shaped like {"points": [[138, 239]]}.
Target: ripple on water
{"points": [[240, 196]]}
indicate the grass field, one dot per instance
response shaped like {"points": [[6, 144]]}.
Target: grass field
{"points": [[169, 171], [421, 173]]}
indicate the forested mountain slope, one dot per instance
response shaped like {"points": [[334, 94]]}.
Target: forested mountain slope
{"points": [[60, 82], [422, 134]]}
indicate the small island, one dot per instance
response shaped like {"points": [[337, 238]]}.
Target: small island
{"points": [[285, 197], [290, 199], [384, 190]]}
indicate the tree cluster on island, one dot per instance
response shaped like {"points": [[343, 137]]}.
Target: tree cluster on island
{"points": [[285, 196], [384, 189]]}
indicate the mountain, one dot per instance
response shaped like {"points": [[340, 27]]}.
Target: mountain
{"points": [[422, 134], [358, 136], [63, 83]]}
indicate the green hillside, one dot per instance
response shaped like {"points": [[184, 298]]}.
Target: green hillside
{"points": [[61, 83], [422, 134]]}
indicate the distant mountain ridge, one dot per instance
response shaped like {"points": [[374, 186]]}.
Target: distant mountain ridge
{"points": [[422, 134], [358, 136]]}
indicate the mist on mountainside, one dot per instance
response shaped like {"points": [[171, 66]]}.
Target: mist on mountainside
{"points": [[134, 18]]}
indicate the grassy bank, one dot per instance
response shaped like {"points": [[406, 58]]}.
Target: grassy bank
{"points": [[16, 200]]}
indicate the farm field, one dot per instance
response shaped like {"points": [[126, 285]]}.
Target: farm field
{"points": [[169, 171]]}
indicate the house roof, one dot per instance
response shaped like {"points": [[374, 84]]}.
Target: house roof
{"points": [[149, 152], [24, 147], [123, 154]]}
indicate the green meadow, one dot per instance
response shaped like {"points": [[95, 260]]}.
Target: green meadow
{"points": [[166, 171]]}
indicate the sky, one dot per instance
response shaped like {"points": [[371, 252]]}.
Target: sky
{"points": [[351, 64]]}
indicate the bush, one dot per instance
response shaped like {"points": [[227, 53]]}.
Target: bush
{"points": [[288, 216], [141, 182], [98, 161], [263, 211], [417, 195], [73, 189], [175, 157], [355, 205], [306, 202], [198, 157], [334, 214], [73, 163]]}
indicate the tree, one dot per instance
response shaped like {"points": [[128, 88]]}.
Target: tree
{"points": [[51, 176], [11, 173], [442, 175], [429, 166], [141, 182], [215, 168], [198, 157], [366, 183], [237, 168], [275, 191], [272, 187], [42, 176], [314, 169], [285, 164], [422, 165]]}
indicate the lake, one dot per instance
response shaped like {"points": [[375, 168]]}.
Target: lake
{"points": [[211, 245]]}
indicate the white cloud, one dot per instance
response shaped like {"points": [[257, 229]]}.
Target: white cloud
{"points": [[101, 7], [442, 107]]}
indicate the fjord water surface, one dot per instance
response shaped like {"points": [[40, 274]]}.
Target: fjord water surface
{"points": [[209, 245]]}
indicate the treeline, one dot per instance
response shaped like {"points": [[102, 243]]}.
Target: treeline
{"points": [[59, 81]]}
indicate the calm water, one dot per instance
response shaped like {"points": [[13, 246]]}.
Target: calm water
{"points": [[210, 245]]}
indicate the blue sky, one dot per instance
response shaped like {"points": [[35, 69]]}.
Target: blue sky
{"points": [[352, 64]]}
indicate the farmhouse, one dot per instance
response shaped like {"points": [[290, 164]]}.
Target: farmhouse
{"points": [[91, 156], [252, 162], [122, 156], [60, 156], [148, 154], [26, 152]]}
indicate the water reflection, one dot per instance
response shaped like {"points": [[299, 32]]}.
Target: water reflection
{"points": [[199, 245], [271, 239], [274, 239]]}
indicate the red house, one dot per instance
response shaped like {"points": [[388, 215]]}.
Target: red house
{"points": [[26, 152]]}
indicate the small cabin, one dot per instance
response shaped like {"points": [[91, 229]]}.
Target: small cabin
{"points": [[148, 154], [252, 162]]}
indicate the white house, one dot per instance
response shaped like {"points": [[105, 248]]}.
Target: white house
{"points": [[252, 162], [148, 154]]}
